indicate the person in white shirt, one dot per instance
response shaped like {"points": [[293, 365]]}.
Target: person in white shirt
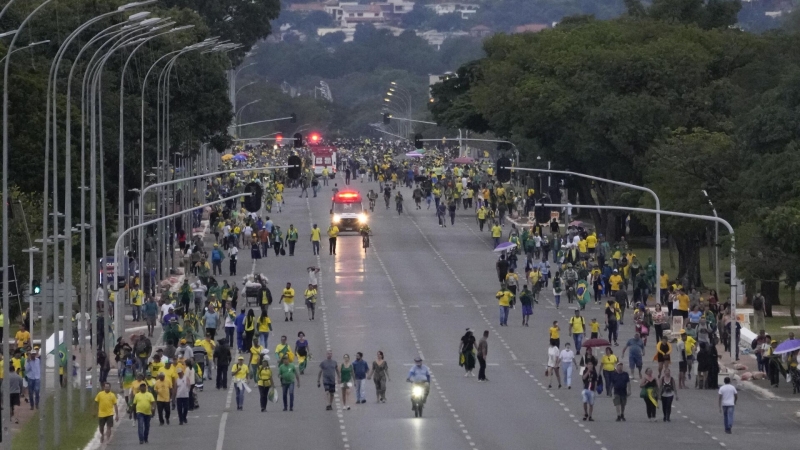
{"points": [[728, 396], [553, 364], [182, 388], [248, 233], [567, 358]]}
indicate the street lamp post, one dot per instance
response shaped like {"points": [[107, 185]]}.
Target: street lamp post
{"points": [[6, 404], [716, 243], [237, 115]]}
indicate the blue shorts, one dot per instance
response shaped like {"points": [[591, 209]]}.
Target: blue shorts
{"points": [[635, 361], [588, 396]]}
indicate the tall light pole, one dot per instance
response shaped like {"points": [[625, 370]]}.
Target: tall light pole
{"points": [[236, 117], [6, 403], [233, 83], [716, 243]]}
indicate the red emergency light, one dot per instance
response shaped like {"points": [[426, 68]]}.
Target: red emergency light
{"points": [[278, 138], [347, 197], [314, 138]]}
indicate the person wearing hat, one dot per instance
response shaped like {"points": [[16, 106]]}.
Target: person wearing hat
{"points": [[420, 374], [239, 371], [615, 281], [182, 390]]}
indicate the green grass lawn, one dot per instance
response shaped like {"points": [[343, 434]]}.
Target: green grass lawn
{"points": [[84, 425], [775, 328]]}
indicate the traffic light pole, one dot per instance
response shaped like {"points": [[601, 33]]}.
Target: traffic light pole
{"points": [[30, 251], [734, 281], [618, 183], [118, 303]]}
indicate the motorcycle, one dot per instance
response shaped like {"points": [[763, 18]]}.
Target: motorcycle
{"points": [[417, 398]]}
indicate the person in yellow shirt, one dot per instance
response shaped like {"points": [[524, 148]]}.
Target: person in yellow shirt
{"points": [[497, 233], [265, 381], [144, 404], [577, 329], [608, 363], [582, 248], [595, 327], [163, 389], [287, 298], [481, 213], [107, 410], [239, 371], [591, 243], [255, 359], [689, 344], [504, 297], [310, 295], [683, 305], [664, 284], [23, 337], [333, 233], [137, 300], [555, 334], [615, 280], [264, 326], [315, 238]]}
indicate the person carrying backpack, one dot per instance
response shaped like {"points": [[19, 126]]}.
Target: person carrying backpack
{"points": [[759, 312]]}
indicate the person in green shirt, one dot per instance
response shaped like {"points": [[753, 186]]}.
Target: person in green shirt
{"points": [[288, 375], [527, 300], [291, 238]]}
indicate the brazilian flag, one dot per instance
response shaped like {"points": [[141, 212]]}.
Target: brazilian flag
{"points": [[582, 293]]}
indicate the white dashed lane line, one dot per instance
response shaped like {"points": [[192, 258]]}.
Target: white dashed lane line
{"points": [[436, 388]]}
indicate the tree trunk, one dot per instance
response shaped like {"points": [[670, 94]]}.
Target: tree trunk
{"points": [[688, 262], [771, 292], [792, 296], [670, 246]]}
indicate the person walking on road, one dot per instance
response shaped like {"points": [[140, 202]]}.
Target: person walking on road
{"points": [[483, 351], [315, 238], [577, 329], [466, 351], [163, 389], [650, 394], [636, 344], [620, 384], [107, 410], [728, 396], [33, 372], [346, 376], [669, 392], [239, 373], [590, 380], [182, 389], [333, 233], [553, 364], [608, 363], [222, 358], [360, 371], [504, 297], [288, 374], [526, 299], [329, 377], [265, 382], [567, 357], [287, 298], [145, 406], [150, 312], [380, 375]]}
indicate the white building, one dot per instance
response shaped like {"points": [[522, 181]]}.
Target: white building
{"points": [[467, 10]]}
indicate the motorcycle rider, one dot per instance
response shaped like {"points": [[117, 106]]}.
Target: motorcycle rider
{"points": [[420, 374], [570, 279]]}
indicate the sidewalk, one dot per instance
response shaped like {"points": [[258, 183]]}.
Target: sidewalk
{"points": [[747, 364]]}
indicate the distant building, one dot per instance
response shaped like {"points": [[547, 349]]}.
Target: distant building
{"points": [[466, 10], [352, 13], [480, 31], [437, 38], [531, 28]]}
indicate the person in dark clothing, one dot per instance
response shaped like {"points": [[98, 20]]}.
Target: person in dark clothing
{"points": [[502, 268], [222, 358]]}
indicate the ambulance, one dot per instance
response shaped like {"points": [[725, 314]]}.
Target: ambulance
{"points": [[347, 212]]}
